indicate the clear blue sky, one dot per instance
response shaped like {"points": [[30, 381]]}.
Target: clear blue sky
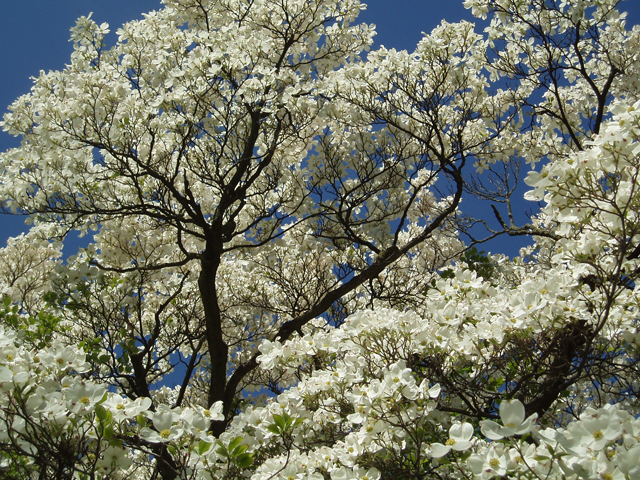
{"points": [[34, 36]]}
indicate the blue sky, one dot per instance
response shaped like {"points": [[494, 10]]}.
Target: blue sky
{"points": [[34, 36]]}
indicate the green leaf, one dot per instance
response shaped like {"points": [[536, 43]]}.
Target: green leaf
{"points": [[274, 429], [288, 422], [141, 420], [203, 447], [101, 413], [115, 442], [104, 415], [448, 273], [239, 450], [244, 461], [108, 432], [280, 422], [104, 398], [222, 450], [233, 444]]}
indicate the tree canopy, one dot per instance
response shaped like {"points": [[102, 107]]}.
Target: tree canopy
{"points": [[282, 280]]}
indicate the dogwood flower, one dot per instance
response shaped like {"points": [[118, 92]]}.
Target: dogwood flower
{"points": [[459, 440], [166, 428], [83, 396], [490, 465], [513, 422]]}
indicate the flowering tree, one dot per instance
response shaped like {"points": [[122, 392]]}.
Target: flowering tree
{"points": [[281, 283]]}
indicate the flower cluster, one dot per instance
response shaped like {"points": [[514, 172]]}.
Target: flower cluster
{"points": [[49, 407], [277, 283]]}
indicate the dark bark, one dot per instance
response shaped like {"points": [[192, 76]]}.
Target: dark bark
{"points": [[217, 347]]}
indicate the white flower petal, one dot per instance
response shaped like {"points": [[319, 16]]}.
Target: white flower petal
{"points": [[512, 413], [491, 430], [439, 450]]}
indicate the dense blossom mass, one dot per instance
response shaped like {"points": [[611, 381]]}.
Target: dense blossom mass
{"points": [[282, 279]]}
